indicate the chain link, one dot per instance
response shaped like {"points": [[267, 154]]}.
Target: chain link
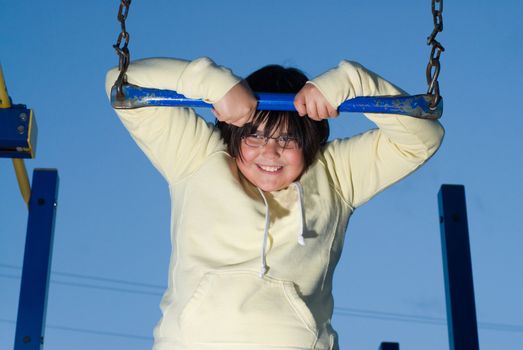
{"points": [[432, 71], [433, 67], [122, 50]]}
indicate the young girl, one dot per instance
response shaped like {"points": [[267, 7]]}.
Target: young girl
{"points": [[261, 200]]}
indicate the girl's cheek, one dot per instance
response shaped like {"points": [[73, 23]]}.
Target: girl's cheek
{"points": [[248, 154]]}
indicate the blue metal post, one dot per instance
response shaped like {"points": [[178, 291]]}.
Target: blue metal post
{"points": [[457, 266], [389, 346], [30, 325]]}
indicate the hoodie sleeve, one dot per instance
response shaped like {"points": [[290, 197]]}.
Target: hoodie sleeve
{"points": [[175, 139], [366, 164]]}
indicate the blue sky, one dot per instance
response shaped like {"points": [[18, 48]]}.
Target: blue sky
{"points": [[111, 248]]}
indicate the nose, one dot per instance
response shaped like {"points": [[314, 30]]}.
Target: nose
{"points": [[271, 150]]}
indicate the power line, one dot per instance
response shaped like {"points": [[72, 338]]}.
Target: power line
{"points": [[94, 278], [92, 331], [89, 331], [339, 311], [392, 316], [388, 316], [7, 321], [91, 286]]}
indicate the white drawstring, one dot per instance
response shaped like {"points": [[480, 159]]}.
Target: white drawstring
{"points": [[301, 219], [264, 267], [301, 216]]}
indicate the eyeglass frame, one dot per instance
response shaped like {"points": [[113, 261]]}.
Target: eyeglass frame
{"points": [[282, 138]]}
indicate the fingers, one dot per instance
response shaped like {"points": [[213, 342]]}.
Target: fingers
{"points": [[237, 106], [313, 112], [216, 114], [242, 120], [301, 108], [311, 102], [331, 111], [300, 104], [237, 121]]}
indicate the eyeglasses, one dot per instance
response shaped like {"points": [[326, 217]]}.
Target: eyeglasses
{"points": [[283, 141]]}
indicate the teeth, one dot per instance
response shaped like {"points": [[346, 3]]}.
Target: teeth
{"points": [[270, 168]]}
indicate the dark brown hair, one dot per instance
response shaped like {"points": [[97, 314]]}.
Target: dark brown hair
{"points": [[311, 134]]}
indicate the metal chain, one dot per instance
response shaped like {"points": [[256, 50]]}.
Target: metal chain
{"points": [[122, 50], [432, 71], [433, 66]]}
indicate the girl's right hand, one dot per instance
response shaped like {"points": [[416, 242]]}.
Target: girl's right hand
{"points": [[237, 106]]}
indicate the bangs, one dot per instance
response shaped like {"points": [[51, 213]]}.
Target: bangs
{"points": [[277, 123]]}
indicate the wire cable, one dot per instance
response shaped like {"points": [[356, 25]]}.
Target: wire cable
{"points": [[89, 331], [94, 278], [338, 311]]}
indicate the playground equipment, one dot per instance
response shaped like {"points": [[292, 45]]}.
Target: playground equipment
{"points": [[428, 106], [18, 141]]}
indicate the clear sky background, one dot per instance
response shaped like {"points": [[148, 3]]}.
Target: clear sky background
{"points": [[112, 246]]}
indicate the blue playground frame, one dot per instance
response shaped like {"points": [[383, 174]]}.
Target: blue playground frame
{"points": [[30, 326], [18, 134], [417, 106], [32, 305], [459, 287]]}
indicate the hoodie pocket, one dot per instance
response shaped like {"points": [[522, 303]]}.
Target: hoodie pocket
{"points": [[240, 307]]}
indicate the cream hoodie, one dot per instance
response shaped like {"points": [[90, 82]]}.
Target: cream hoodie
{"points": [[252, 270]]}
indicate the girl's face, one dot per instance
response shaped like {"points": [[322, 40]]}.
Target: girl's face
{"points": [[273, 166]]}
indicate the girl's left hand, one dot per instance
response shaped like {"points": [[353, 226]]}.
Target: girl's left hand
{"points": [[311, 102]]}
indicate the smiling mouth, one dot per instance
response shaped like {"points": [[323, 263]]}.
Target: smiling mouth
{"points": [[270, 169]]}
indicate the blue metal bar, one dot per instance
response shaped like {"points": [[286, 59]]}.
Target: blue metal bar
{"points": [[389, 346], [32, 306], [457, 266], [414, 106]]}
